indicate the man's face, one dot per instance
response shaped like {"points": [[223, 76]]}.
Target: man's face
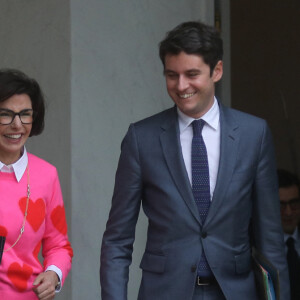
{"points": [[290, 208], [190, 83]]}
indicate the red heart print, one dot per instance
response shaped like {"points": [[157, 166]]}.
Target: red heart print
{"points": [[36, 212], [69, 249], [19, 275], [3, 231], [58, 219]]}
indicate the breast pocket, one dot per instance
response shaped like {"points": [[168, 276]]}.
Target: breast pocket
{"points": [[244, 175], [153, 263]]}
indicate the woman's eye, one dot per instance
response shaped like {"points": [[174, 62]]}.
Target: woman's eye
{"points": [[26, 113], [4, 114]]}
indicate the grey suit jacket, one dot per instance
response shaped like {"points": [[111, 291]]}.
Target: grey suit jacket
{"points": [[151, 172]]}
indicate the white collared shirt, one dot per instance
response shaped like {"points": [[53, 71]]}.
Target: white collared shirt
{"points": [[211, 136], [19, 167]]}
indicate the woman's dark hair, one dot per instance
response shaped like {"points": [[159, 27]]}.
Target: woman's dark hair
{"points": [[14, 82], [193, 38]]}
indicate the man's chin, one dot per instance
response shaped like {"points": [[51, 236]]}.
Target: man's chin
{"points": [[289, 229]]}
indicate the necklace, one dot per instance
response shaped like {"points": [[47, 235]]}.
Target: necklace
{"points": [[25, 214]]}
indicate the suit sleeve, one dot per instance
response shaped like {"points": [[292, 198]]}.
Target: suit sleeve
{"points": [[268, 233], [118, 238]]}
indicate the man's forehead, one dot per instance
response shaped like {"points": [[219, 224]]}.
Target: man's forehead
{"points": [[187, 70], [184, 55], [288, 193]]}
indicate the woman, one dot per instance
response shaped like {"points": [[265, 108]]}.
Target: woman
{"points": [[32, 212]]}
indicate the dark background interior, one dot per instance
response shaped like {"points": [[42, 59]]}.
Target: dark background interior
{"points": [[265, 66]]}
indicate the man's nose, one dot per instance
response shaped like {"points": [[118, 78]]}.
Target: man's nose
{"points": [[182, 83], [288, 210]]}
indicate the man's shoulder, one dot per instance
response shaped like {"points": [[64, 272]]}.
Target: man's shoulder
{"points": [[242, 118], [298, 233], [167, 115]]}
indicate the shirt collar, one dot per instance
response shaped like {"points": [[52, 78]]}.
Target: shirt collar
{"points": [[211, 117], [294, 235], [18, 167]]}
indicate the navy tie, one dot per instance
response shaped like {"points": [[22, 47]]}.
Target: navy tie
{"points": [[200, 184]]}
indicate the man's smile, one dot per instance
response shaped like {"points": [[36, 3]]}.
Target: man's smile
{"points": [[185, 96]]}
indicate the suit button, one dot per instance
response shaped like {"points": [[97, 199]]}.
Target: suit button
{"points": [[204, 235], [193, 269]]}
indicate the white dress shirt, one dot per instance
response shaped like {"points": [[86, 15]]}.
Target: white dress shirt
{"points": [[19, 167], [211, 136]]}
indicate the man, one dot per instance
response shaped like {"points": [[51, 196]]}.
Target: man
{"points": [[289, 195], [200, 189]]}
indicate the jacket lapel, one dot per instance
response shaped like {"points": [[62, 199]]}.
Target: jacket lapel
{"points": [[228, 154], [170, 142]]}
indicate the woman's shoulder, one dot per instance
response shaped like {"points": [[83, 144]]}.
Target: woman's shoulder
{"points": [[40, 164]]}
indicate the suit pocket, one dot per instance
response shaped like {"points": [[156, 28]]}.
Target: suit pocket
{"points": [[243, 262], [243, 175], [153, 263]]}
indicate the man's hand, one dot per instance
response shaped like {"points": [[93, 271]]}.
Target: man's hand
{"points": [[44, 285]]}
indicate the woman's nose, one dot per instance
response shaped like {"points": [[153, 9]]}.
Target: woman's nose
{"points": [[16, 122]]}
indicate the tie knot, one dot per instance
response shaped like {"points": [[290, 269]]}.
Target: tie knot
{"points": [[290, 242], [198, 126]]}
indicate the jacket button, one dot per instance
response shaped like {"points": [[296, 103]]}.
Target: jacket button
{"points": [[193, 269], [204, 235]]}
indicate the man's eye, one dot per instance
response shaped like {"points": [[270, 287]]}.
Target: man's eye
{"points": [[171, 76]]}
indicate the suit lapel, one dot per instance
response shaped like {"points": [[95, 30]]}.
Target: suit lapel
{"points": [[228, 154], [170, 143]]}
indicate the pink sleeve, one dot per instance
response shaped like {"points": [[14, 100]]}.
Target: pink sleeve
{"points": [[56, 246]]}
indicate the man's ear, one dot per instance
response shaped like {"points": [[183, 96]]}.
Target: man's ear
{"points": [[218, 71]]}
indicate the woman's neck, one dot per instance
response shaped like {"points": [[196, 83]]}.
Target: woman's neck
{"points": [[10, 159]]}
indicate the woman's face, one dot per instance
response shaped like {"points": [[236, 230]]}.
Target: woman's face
{"points": [[14, 135]]}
